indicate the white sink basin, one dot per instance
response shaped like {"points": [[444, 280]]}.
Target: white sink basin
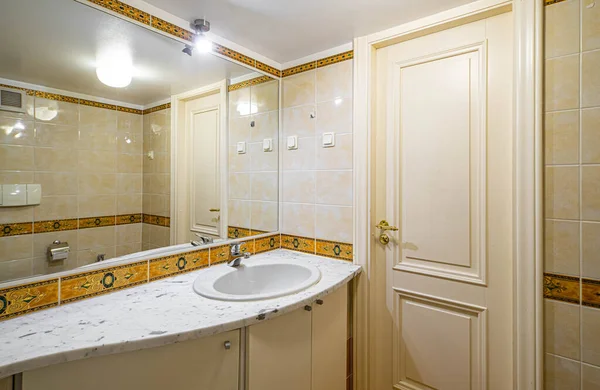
{"points": [[255, 280]]}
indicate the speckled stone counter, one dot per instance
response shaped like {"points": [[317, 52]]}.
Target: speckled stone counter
{"points": [[150, 315]]}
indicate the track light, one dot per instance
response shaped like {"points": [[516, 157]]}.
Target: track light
{"points": [[188, 50], [200, 41]]}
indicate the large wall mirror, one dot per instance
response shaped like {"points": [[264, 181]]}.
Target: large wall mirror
{"points": [[115, 141]]}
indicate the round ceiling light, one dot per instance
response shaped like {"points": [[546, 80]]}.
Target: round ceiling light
{"points": [[114, 76]]}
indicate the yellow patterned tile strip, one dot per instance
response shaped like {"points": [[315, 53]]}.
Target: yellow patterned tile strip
{"points": [[19, 300], [302, 244], [16, 229], [172, 29], [93, 222], [234, 55], [266, 244], [299, 69], [268, 69], [219, 254], [157, 108], [348, 55], [178, 264], [127, 219], [337, 250], [92, 103], [549, 2], [237, 232], [248, 83], [124, 9], [156, 220], [561, 288], [55, 226], [590, 290]]}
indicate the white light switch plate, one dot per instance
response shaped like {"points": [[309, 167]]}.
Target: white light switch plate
{"points": [[241, 147], [34, 193], [14, 195], [292, 142], [328, 140], [267, 145]]}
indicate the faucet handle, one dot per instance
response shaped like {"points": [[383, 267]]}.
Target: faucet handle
{"points": [[236, 247]]}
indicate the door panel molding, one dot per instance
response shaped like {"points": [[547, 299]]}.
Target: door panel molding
{"points": [[459, 323]]}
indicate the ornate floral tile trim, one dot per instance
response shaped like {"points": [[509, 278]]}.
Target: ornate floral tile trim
{"points": [[248, 83], [172, 29], [561, 288], [55, 96], [16, 229], [302, 244], [156, 108], [348, 55], [19, 300], [127, 219], [590, 290], [92, 103], [130, 110], [266, 244], [268, 69], [57, 225], [157, 220], [237, 232], [219, 254], [234, 55], [177, 264], [124, 9], [93, 222], [93, 283], [337, 250], [299, 69]]}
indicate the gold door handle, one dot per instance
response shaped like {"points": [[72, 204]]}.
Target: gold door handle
{"points": [[384, 225], [215, 210]]}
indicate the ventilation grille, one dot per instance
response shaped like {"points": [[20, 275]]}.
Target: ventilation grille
{"points": [[11, 100]]}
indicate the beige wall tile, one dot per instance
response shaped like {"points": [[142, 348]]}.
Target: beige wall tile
{"points": [[590, 249], [128, 234], [96, 238], [239, 186], [160, 236], [561, 253], [299, 89], [238, 162], [11, 177], [590, 377], [127, 249], [239, 129], [96, 161], [264, 186], [16, 131], [129, 183], [129, 163], [562, 28], [91, 138], [41, 241], [301, 159], [146, 232], [590, 79], [264, 216], [97, 183], [561, 373], [334, 188], [41, 265], [337, 157], [297, 121], [99, 119], [90, 256], [590, 25], [15, 269], [129, 204], [266, 125], [561, 137], [239, 100], [299, 186], [590, 336], [56, 136], [56, 160], [14, 157], [562, 83], [239, 213], [61, 113], [57, 183], [263, 161], [561, 329], [334, 223], [334, 116], [16, 247], [16, 214], [129, 123], [590, 135], [299, 219], [334, 81], [590, 193], [265, 96], [97, 205], [56, 207], [562, 192]]}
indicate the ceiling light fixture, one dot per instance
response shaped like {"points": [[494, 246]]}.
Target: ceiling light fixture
{"points": [[200, 40], [115, 69]]}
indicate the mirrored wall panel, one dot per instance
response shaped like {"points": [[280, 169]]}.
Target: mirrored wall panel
{"points": [[117, 139]]}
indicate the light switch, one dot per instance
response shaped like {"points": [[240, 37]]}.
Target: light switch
{"points": [[292, 142], [34, 193], [14, 194], [328, 140], [241, 147], [267, 145]]}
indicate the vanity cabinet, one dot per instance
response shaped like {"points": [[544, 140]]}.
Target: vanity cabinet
{"points": [[203, 364], [302, 350]]}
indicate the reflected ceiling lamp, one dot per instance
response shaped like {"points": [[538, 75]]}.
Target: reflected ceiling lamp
{"points": [[200, 41], [115, 69]]}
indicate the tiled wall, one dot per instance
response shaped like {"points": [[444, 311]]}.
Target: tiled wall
{"points": [[317, 181], [254, 175], [88, 159], [572, 195], [156, 199]]}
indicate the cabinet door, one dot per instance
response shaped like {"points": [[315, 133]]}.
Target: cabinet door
{"points": [[203, 364], [279, 353], [329, 340]]}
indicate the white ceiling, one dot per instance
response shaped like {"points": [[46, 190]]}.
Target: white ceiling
{"points": [[285, 30], [55, 43]]}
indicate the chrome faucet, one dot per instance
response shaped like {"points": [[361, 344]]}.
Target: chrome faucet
{"points": [[237, 255], [203, 240]]}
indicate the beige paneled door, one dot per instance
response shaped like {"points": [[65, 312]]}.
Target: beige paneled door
{"points": [[443, 176]]}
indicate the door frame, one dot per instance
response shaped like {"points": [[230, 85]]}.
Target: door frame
{"points": [[179, 185], [527, 177]]}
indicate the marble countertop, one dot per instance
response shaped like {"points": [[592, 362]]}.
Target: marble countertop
{"points": [[151, 315]]}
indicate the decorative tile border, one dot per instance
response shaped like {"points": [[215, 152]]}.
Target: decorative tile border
{"points": [[157, 220], [302, 244], [337, 250], [266, 244], [127, 219], [92, 103], [157, 108], [177, 264], [130, 110], [268, 69], [219, 254], [348, 55], [172, 29], [58, 225], [124, 9], [590, 291], [55, 96], [550, 2], [19, 300], [237, 232], [16, 229], [299, 69], [248, 83], [93, 222], [561, 288]]}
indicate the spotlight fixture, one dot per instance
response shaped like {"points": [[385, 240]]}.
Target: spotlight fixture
{"points": [[200, 41]]}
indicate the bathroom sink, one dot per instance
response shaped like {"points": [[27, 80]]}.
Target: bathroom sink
{"points": [[256, 280]]}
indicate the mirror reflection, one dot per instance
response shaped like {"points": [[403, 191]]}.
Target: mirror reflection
{"points": [[115, 140]]}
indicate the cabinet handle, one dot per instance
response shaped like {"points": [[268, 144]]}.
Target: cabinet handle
{"points": [[227, 344], [308, 308], [319, 301]]}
